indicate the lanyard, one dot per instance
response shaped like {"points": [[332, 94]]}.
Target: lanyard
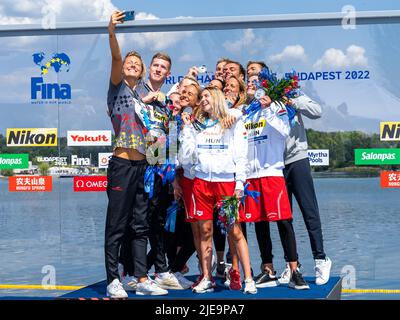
{"points": [[202, 126]]}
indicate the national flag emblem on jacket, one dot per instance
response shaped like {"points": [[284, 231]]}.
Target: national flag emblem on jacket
{"points": [[282, 111]]}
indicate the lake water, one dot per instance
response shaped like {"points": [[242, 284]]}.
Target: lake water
{"points": [[64, 230]]}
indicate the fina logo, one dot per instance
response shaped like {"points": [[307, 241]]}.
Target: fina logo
{"points": [[48, 91]]}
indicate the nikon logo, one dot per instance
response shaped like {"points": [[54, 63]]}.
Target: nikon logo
{"points": [[390, 131], [255, 125], [32, 137]]}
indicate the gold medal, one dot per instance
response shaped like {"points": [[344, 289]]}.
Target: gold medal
{"points": [[161, 97]]}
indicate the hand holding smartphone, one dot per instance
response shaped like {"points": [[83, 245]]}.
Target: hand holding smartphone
{"points": [[129, 15]]}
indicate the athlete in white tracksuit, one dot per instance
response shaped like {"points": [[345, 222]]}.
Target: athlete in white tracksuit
{"points": [[220, 170]]}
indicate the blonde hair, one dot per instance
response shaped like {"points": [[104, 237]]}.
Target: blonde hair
{"points": [[137, 55], [195, 84], [219, 106], [187, 77], [162, 56], [242, 92]]}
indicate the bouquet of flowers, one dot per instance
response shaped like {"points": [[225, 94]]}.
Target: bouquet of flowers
{"points": [[276, 89], [279, 90], [228, 213], [292, 88], [228, 208]]}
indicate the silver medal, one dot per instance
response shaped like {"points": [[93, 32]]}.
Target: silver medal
{"points": [[259, 94]]}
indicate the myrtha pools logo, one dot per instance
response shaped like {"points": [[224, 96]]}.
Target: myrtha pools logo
{"points": [[43, 92]]}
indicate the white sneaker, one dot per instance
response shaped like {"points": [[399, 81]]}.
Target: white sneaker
{"points": [[129, 283], [249, 286], [185, 283], [285, 276], [168, 280], [204, 286], [149, 287], [116, 291], [322, 270]]}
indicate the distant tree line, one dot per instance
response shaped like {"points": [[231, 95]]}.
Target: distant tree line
{"points": [[341, 147]]}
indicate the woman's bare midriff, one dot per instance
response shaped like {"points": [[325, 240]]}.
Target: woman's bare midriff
{"points": [[129, 154]]}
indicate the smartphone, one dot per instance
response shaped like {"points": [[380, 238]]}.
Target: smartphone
{"points": [[202, 69], [129, 15]]}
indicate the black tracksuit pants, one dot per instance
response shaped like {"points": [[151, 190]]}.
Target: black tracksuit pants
{"points": [[299, 183], [286, 234], [159, 204], [127, 215]]}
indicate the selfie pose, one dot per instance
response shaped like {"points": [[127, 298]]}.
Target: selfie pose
{"points": [[128, 205]]}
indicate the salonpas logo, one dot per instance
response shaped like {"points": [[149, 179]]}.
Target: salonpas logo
{"points": [[31, 137], [14, 161], [377, 156], [390, 131]]}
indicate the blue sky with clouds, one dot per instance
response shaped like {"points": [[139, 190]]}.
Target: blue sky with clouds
{"points": [[206, 8], [352, 104]]}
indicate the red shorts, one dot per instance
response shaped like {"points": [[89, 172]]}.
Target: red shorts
{"points": [[207, 194], [273, 203], [187, 189]]}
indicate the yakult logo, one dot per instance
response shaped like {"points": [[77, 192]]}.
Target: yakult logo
{"points": [[90, 183], [89, 138]]}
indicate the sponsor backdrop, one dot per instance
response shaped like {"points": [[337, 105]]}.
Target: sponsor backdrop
{"points": [[56, 135], [318, 157], [30, 183], [14, 161]]}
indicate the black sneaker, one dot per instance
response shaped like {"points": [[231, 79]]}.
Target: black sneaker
{"points": [[220, 273], [266, 280], [297, 282]]}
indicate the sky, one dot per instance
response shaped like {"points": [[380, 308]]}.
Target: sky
{"points": [[208, 8], [367, 53]]}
